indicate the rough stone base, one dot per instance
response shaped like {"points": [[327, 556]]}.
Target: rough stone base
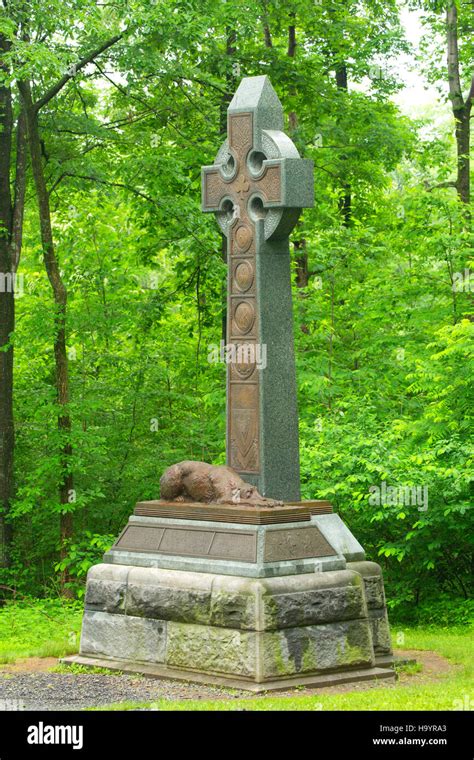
{"points": [[257, 630], [376, 606], [159, 671]]}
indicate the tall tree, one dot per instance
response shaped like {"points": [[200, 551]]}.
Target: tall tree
{"points": [[12, 138], [23, 32], [447, 56], [58, 286]]}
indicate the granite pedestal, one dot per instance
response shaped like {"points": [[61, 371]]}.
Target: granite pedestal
{"points": [[284, 598]]}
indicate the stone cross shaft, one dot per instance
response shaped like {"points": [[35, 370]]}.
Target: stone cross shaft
{"points": [[257, 188]]}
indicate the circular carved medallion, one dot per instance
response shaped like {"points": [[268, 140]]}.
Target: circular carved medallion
{"points": [[245, 370], [243, 275], [245, 360], [244, 316], [243, 237]]}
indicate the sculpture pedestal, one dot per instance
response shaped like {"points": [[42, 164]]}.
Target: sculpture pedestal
{"points": [[167, 603]]}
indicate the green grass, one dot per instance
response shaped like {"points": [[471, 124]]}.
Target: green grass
{"points": [[450, 691], [79, 670], [39, 628], [409, 668]]}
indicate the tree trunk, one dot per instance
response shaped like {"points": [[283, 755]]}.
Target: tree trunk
{"points": [[345, 201], [11, 228], [301, 260], [267, 35], [292, 40], [300, 246], [291, 52], [463, 141], [66, 492], [7, 317], [230, 52], [302, 276], [461, 107]]}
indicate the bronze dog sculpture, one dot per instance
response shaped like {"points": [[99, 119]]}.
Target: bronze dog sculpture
{"points": [[199, 481]]}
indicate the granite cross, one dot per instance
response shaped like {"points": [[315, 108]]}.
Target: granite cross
{"points": [[257, 188]]}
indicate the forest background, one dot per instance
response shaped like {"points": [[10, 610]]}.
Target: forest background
{"points": [[112, 281]]}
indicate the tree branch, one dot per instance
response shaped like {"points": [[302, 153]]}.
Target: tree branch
{"points": [[448, 183], [266, 26], [291, 40], [470, 97], [53, 91], [134, 191]]}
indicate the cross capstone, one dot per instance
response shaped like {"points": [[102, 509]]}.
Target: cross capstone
{"points": [[257, 188]]}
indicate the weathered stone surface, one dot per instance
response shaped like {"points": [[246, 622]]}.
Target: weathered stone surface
{"points": [[168, 604], [227, 601], [106, 588], [245, 627], [317, 648], [366, 568], [372, 575], [313, 607], [212, 650], [233, 610], [340, 537], [380, 631], [374, 593], [312, 599], [169, 595], [234, 603], [124, 637]]}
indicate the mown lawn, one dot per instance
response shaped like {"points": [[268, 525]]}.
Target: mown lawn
{"points": [[39, 628], [51, 628]]}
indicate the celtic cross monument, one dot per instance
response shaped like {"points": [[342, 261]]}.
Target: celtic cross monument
{"points": [[249, 594], [257, 188]]}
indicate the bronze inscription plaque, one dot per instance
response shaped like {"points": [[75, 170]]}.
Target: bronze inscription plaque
{"points": [[296, 543], [187, 541], [133, 539]]}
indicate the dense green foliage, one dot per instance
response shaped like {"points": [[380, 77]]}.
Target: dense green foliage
{"points": [[383, 299]]}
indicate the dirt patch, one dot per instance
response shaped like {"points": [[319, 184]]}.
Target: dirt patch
{"points": [[30, 665], [433, 666]]}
